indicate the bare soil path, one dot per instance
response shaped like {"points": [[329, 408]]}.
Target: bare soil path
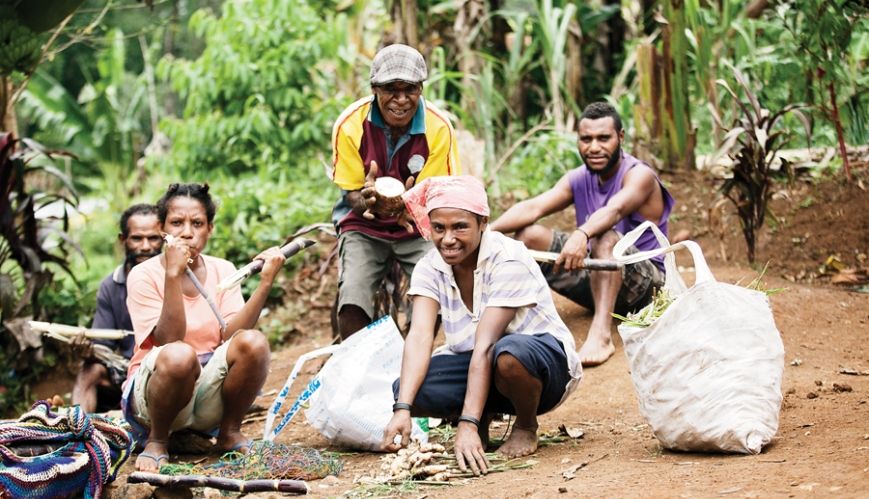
{"points": [[822, 446]]}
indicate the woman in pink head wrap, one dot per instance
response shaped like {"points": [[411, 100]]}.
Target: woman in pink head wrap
{"points": [[506, 349], [462, 192]]}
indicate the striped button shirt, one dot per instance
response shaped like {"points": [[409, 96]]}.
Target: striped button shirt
{"points": [[506, 276]]}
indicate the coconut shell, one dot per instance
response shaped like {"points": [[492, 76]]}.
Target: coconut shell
{"points": [[388, 191]]}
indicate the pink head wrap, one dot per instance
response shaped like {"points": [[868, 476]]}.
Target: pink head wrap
{"points": [[461, 191]]}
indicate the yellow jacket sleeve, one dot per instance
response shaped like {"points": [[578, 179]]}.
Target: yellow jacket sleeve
{"points": [[348, 172], [443, 156]]}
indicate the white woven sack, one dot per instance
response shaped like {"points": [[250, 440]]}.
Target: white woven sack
{"points": [[708, 371], [353, 401]]}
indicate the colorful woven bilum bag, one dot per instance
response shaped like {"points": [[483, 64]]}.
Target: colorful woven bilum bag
{"points": [[62, 453]]}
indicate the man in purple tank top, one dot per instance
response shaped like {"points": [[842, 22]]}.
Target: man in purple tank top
{"points": [[612, 192]]}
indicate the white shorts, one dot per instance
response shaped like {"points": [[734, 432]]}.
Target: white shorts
{"points": [[204, 410]]}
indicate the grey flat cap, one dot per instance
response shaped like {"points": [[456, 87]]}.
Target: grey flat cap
{"points": [[398, 62]]}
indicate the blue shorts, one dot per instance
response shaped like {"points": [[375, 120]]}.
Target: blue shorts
{"points": [[442, 393]]}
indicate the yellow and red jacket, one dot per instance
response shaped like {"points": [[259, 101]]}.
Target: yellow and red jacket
{"points": [[359, 136]]}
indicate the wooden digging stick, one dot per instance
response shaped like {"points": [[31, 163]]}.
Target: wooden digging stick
{"points": [[298, 487]]}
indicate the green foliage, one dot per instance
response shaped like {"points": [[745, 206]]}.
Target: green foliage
{"points": [[34, 243], [105, 126], [71, 302], [31, 245], [773, 50], [540, 163], [823, 34], [21, 369], [258, 95], [262, 210], [20, 46]]}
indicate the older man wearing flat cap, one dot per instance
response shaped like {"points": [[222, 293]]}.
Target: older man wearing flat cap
{"points": [[392, 133]]}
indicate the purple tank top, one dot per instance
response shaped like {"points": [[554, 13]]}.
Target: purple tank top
{"points": [[589, 195]]}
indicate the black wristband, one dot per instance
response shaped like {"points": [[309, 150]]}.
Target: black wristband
{"points": [[398, 406], [470, 419]]}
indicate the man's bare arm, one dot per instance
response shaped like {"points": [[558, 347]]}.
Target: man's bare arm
{"points": [[638, 186], [528, 212]]}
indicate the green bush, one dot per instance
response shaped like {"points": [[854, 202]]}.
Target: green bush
{"points": [[261, 94], [539, 163], [258, 211]]}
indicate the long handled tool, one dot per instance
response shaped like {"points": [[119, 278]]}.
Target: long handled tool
{"points": [[240, 275], [588, 263], [256, 266]]}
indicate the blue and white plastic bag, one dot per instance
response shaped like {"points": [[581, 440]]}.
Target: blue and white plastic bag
{"points": [[350, 400]]}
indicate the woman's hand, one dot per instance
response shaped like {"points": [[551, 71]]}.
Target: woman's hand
{"points": [[469, 449], [273, 260], [573, 253], [399, 425], [177, 255]]}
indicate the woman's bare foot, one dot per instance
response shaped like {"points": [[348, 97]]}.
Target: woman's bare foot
{"points": [[233, 442], [597, 349], [521, 442], [155, 454]]}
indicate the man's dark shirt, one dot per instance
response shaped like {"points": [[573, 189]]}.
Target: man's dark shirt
{"points": [[112, 311]]}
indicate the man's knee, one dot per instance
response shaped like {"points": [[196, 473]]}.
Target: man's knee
{"points": [[355, 297], [508, 368], [604, 244], [91, 374], [535, 237]]}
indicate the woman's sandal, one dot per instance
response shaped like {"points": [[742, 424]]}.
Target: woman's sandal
{"points": [[158, 459], [239, 447]]}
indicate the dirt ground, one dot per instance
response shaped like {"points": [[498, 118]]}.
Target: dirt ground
{"points": [[822, 446]]}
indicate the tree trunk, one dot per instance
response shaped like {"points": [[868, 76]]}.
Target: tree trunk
{"points": [[573, 71], [469, 13], [404, 21], [756, 8], [840, 134], [615, 52], [647, 126], [8, 122], [500, 29], [169, 100]]}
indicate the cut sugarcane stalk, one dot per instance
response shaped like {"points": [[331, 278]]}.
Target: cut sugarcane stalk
{"points": [[298, 487]]}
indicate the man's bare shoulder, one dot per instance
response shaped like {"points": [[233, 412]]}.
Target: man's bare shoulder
{"points": [[641, 176]]}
